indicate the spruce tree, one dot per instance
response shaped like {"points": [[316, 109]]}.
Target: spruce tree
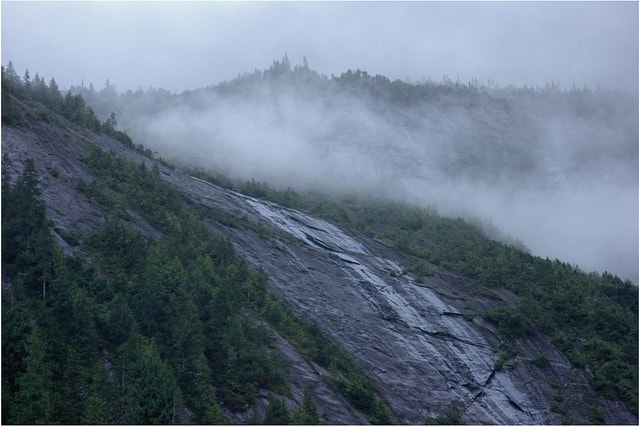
{"points": [[307, 413], [34, 402], [277, 413]]}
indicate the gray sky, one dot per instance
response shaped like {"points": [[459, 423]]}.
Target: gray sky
{"points": [[181, 45]]}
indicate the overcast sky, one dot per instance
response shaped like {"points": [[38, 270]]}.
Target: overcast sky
{"points": [[180, 45]]}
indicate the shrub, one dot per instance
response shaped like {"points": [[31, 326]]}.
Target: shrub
{"points": [[540, 361]]}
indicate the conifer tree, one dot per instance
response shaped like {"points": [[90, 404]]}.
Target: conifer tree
{"points": [[26, 80], [307, 413], [11, 74], [277, 413], [34, 402], [150, 387], [54, 97]]}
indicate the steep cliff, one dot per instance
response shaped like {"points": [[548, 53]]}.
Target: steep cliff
{"points": [[425, 342]]}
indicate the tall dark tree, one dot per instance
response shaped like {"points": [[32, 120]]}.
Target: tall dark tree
{"points": [[27, 243], [277, 413], [206, 409], [11, 74], [54, 97], [110, 124], [26, 80], [307, 413], [40, 89], [149, 385], [35, 399]]}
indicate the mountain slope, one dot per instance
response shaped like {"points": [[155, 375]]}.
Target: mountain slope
{"points": [[555, 168], [86, 216], [427, 343]]}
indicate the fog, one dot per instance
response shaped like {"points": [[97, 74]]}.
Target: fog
{"points": [[553, 165], [186, 45], [556, 169]]}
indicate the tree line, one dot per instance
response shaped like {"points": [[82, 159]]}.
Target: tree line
{"points": [[71, 106]]}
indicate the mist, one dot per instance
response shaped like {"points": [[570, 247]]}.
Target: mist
{"points": [[555, 169], [506, 133], [185, 45]]}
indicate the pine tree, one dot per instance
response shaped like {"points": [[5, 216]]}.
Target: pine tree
{"points": [[34, 402], [150, 388], [120, 320], [54, 97], [206, 409], [95, 411], [110, 124], [12, 112], [307, 413], [11, 75], [277, 413], [26, 241], [40, 90], [26, 81]]}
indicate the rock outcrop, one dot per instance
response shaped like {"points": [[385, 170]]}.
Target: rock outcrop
{"points": [[425, 343]]}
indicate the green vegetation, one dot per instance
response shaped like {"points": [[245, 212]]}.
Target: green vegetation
{"points": [[170, 323], [153, 327], [278, 413], [420, 270], [506, 359], [346, 376], [72, 343], [510, 324], [592, 318], [22, 98], [307, 413], [540, 361], [16, 92], [122, 181]]}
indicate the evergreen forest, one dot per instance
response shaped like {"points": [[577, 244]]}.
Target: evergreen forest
{"points": [[177, 329], [150, 332]]}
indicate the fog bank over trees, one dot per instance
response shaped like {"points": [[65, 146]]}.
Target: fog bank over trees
{"points": [[554, 167]]}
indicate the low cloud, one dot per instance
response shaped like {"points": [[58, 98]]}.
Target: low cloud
{"points": [[557, 170]]}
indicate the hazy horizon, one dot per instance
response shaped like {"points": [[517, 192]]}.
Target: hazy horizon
{"points": [[188, 45]]}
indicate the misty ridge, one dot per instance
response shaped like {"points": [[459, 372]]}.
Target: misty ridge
{"points": [[556, 169]]}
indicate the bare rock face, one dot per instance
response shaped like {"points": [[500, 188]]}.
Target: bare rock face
{"points": [[425, 343]]}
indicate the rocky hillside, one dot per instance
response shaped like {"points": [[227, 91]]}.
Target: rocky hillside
{"points": [[538, 163], [426, 341]]}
